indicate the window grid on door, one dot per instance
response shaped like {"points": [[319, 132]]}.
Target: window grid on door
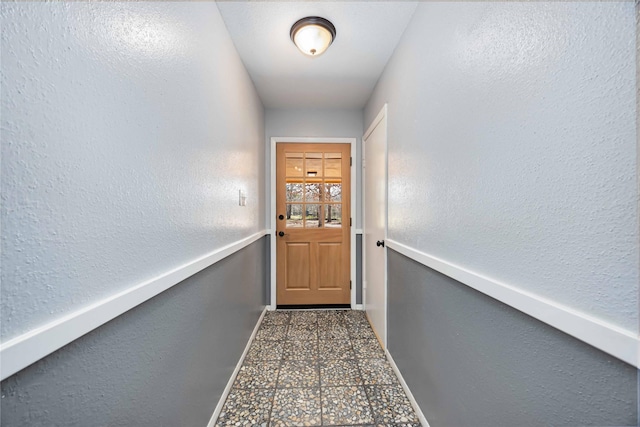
{"points": [[313, 190]]}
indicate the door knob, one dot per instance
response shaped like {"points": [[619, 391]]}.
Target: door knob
{"points": [[378, 243], [281, 233], [280, 217]]}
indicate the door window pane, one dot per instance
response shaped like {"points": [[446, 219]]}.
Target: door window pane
{"points": [[294, 215], [333, 215], [312, 216], [313, 164], [294, 164], [312, 190], [333, 164], [294, 192], [333, 192]]}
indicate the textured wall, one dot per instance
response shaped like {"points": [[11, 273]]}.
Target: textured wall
{"points": [[164, 363], [334, 123], [127, 130], [512, 146], [472, 361]]}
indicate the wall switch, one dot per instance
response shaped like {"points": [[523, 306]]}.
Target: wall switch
{"points": [[242, 198]]}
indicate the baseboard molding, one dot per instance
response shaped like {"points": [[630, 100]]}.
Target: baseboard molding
{"points": [[20, 352], [227, 389], [313, 307], [382, 344], [614, 340], [416, 407]]}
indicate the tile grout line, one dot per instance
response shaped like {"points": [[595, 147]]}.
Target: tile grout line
{"points": [[275, 388], [319, 370], [364, 388]]}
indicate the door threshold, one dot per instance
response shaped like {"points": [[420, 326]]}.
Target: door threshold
{"points": [[313, 307]]}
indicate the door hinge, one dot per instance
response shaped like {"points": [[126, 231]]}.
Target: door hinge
{"points": [[350, 161], [350, 222], [349, 284]]}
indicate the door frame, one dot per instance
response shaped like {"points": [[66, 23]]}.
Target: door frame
{"points": [[382, 115], [272, 220]]}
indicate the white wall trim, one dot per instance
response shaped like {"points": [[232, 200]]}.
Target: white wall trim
{"points": [[614, 340], [272, 191], [21, 351], [414, 403], [381, 115], [227, 389]]}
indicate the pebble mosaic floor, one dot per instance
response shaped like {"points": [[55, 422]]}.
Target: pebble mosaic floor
{"points": [[316, 368]]}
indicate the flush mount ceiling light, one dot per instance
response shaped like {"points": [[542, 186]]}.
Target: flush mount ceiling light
{"points": [[313, 35]]}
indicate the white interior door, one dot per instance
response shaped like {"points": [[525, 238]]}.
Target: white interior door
{"points": [[375, 224]]}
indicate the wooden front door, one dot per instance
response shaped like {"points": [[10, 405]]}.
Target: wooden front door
{"points": [[313, 223]]}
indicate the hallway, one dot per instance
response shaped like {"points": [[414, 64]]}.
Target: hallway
{"points": [[316, 368], [140, 219]]}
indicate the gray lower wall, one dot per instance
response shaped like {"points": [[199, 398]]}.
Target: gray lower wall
{"points": [[267, 260], [470, 360], [358, 268], [163, 363]]}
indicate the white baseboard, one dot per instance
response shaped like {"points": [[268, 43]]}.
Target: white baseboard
{"points": [[416, 407], [227, 389]]}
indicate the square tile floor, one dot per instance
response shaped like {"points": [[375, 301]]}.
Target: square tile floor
{"points": [[316, 368]]}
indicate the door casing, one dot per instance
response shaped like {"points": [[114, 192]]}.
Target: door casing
{"points": [[271, 220]]}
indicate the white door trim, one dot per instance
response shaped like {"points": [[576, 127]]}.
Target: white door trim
{"points": [[381, 115], [272, 221]]}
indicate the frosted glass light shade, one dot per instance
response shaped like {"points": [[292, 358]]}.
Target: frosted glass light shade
{"points": [[312, 40], [313, 35]]}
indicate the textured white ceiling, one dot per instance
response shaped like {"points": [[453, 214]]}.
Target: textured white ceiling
{"points": [[343, 77]]}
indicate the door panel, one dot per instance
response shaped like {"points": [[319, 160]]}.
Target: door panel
{"points": [[312, 213], [297, 259], [329, 265], [375, 227]]}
